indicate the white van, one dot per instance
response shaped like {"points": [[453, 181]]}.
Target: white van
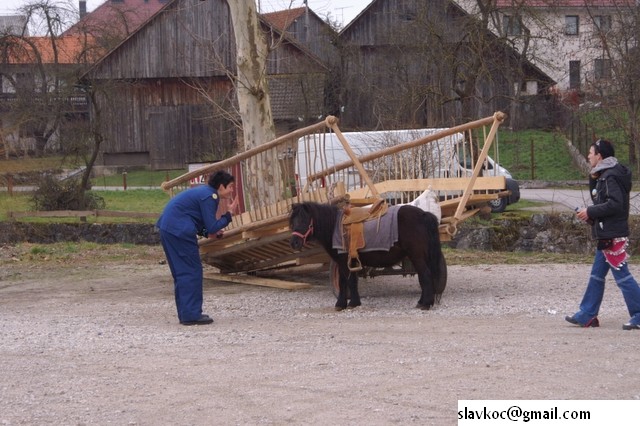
{"points": [[441, 158]]}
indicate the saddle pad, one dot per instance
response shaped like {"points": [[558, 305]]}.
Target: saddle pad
{"points": [[379, 235]]}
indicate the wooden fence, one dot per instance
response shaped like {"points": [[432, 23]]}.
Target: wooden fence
{"points": [[82, 214]]}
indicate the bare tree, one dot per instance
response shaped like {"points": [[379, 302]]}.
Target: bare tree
{"points": [[49, 102], [614, 84], [37, 70], [253, 95]]}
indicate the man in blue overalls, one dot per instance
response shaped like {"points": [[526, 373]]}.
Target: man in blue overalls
{"points": [[187, 215]]}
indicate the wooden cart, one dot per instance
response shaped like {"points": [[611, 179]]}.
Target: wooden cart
{"points": [[258, 238]]}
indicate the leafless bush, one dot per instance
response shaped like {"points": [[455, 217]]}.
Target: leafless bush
{"points": [[53, 194]]}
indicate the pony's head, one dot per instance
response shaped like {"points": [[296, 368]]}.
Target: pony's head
{"points": [[301, 225]]}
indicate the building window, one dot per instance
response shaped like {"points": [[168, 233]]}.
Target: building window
{"points": [[602, 69], [511, 25], [571, 25], [602, 22], [574, 74]]}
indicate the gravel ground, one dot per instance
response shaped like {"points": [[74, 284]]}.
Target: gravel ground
{"points": [[90, 341]]}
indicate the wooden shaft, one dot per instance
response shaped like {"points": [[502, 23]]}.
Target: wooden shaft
{"points": [[246, 154], [401, 147], [498, 118], [354, 159]]}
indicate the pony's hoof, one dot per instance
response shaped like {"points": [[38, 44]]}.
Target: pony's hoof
{"points": [[423, 307], [339, 308]]}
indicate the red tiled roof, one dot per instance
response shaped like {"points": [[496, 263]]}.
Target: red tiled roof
{"points": [[282, 19], [564, 3], [120, 17], [29, 50]]}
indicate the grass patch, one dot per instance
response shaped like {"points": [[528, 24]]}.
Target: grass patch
{"points": [[534, 154], [137, 178], [18, 202], [22, 165], [138, 200]]}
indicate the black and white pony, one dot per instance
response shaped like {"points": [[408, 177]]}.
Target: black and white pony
{"points": [[418, 239]]}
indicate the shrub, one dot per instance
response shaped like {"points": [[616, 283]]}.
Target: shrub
{"points": [[53, 194]]}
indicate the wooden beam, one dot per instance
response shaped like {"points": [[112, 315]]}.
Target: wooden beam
{"points": [[258, 281], [481, 158], [482, 183], [221, 165]]}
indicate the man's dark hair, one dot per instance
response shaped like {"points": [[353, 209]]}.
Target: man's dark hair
{"points": [[220, 178], [604, 148]]}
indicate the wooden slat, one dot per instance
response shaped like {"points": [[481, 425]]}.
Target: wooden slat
{"points": [[483, 183], [259, 281], [115, 213], [474, 198]]}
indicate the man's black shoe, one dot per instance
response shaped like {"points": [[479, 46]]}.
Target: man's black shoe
{"points": [[204, 319], [629, 326], [593, 322]]}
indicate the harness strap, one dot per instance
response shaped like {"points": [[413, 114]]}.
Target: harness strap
{"points": [[306, 234]]}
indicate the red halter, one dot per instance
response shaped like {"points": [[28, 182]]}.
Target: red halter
{"points": [[306, 234]]}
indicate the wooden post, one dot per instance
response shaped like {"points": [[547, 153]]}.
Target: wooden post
{"points": [[533, 162], [10, 185]]}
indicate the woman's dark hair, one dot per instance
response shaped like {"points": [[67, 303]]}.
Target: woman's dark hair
{"points": [[220, 178], [604, 148]]}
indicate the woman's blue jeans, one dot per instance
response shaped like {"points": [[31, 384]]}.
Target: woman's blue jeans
{"points": [[592, 298]]}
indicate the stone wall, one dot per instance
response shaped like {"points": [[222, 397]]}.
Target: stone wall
{"points": [[44, 233], [553, 233]]}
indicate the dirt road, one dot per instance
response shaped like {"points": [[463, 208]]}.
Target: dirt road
{"points": [[97, 342]]}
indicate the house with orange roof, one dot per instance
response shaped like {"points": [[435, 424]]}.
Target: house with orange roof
{"points": [[37, 92], [39, 66], [115, 18]]}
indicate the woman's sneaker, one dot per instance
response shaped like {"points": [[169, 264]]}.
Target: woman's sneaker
{"points": [[593, 322], [629, 326]]}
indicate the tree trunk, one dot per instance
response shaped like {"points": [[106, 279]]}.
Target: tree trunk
{"points": [[253, 99]]}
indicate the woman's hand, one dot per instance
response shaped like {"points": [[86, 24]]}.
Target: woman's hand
{"points": [[233, 207], [582, 215]]}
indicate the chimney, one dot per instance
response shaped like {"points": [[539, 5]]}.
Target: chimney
{"points": [[82, 5]]}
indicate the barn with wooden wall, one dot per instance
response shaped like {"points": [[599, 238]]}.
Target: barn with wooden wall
{"points": [[404, 60], [311, 31], [167, 93]]}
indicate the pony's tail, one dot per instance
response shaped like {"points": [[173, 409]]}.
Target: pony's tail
{"points": [[434, 254]]}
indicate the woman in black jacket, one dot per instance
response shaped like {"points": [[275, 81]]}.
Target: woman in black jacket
{"points": [[610, 185]]}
